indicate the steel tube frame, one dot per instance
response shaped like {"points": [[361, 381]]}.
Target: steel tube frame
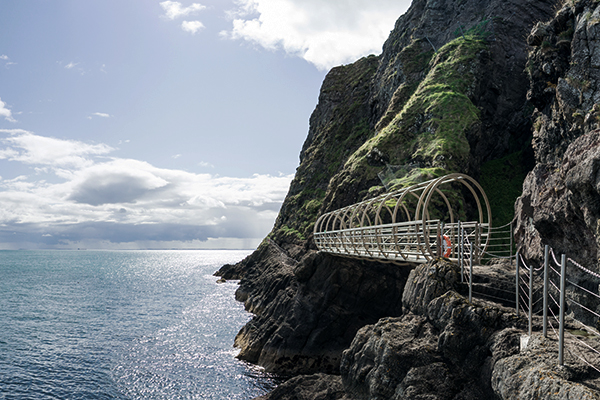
{"points": [[362, 229]]}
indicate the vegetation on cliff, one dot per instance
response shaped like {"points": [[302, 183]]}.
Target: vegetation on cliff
{"points": [[430, 129], [338, 126]]}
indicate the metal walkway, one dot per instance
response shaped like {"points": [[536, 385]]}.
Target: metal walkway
{"points": [[411, 225]]}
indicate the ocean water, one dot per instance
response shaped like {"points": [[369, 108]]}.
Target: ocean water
{"points": [[121, 325]]}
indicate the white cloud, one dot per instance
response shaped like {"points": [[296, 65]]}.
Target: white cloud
{"points": [[28, 148], [4, 57], [71, 65], [324, 33], [192, 26], [97, 198], [103, 115], [5, 112], [174, 9], [205, 164]]}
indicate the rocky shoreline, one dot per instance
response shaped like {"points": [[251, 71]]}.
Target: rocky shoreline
{"points": [[443, 347]]}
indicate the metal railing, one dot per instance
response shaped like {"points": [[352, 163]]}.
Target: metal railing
{"points": [[556, 299]]}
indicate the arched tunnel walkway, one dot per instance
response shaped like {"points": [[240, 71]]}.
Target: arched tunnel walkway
{"points": [[410, 225]]}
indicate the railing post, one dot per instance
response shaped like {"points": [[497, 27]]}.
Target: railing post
{"points": [[530, 298], [461, 252], [545, 326], [442, 239], [561, 327], [510, 249], [471, 275], [438, 240], [517, 283], [478, 242]]}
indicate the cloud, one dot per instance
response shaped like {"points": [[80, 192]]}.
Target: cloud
{"points": [[324, 33], [192, 26], [5, 112], [116, 182], [205, 164], [28, 148], [174, 9], [103, 115], [71, 65], [77, 193], [4, 57]]}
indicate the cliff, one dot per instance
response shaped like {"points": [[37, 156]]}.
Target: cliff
{"points": [[561, 196], [473, 86]]}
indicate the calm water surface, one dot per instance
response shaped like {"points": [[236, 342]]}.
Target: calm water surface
{"points": [[121, 325]]}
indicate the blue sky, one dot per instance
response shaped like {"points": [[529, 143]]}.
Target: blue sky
{"points": [[163, 124]]}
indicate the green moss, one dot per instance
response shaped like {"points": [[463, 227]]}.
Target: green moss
{"points": [[289, 234], [414, 59], [416, 175], [546, 45], [566, 35], [431, 127]]}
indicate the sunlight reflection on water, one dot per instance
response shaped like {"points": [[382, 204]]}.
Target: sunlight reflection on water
{"points": [[110, 324]]}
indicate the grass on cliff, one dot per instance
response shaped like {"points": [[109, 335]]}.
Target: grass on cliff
{"points": [[344, 130], [431, 127]]}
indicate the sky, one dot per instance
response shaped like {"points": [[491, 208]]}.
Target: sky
{"points": [[149, 124]]}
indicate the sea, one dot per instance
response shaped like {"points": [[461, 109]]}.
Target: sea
{"points": [[122, 325]]}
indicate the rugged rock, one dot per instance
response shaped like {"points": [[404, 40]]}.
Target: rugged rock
{"points": [[560, 201], [453, 349], [559, 204], [309, 387], [534, 373], [312, 309]]}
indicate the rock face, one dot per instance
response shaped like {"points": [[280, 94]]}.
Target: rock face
{"points": [[532, 373], [561, 196], [437, 349], [311, 387], [310, 312], [446, 348]]}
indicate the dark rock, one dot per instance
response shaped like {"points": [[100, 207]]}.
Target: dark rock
{"points": [[427, 282], [561, 208], [312, 310], [440, 353], [311, 387], [382, 355], [534, 373]]}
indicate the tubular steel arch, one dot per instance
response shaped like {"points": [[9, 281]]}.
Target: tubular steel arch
{"points": [[391, 227]]}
